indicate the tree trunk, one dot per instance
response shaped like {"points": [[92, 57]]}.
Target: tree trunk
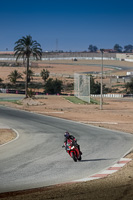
{"points": [[26, 82]]}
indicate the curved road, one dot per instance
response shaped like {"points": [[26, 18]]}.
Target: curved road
{"points": [[36, 158]]}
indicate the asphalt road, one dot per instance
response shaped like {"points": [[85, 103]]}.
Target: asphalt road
{"points": [[37, 159]]}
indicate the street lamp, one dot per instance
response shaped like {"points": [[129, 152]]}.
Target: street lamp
{"points": [[101, 98]]}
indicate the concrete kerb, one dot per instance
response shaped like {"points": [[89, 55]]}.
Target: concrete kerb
{"points": [[104, 173]]}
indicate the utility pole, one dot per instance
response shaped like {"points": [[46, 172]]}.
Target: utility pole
{"points": [[101, 98]]}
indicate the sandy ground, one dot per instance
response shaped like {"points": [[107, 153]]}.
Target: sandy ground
{"points": [[117, 114], [66, 67], [6, 135]]}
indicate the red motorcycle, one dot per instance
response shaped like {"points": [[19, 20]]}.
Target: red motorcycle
{"points": [[72, 150]]}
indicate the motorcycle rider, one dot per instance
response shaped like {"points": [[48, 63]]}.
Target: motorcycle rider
{"points": [[71, 137]]}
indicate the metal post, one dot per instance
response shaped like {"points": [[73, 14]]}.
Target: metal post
{"points": [[101, 98], [89, 91]]}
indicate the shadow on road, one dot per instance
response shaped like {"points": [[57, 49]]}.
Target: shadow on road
{"points": [[94, 160]]}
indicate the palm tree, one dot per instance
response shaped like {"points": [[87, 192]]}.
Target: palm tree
{"points": [[25, 47], [44, 74], [13, 76]]}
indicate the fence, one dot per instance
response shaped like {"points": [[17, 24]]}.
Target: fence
{"points": [[108, 95], [82, 86]]}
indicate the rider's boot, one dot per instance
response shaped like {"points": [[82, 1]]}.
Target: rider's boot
{"points": [[79, 150]]}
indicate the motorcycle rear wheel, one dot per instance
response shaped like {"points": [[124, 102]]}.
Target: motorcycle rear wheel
{"points": [[74, 157]]}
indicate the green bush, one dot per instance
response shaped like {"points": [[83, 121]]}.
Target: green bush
{"points": [[95, 87], [129, 87], [53, 86]]}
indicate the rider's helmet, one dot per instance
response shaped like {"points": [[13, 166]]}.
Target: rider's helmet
{"points": [[66, 135]]}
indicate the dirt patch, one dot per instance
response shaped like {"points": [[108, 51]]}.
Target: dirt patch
{"points": [[6, 135], [30, 102], [116, 114]]}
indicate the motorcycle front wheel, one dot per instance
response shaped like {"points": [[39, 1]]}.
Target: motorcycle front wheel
{"points": [[79, 158], [74, 157]]}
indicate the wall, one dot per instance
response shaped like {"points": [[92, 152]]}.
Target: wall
{"points": [[64, 55], [125, 57]]}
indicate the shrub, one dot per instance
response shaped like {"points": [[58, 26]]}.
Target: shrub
{"points": [[53, 86], [95, 87], [129, 87]]}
